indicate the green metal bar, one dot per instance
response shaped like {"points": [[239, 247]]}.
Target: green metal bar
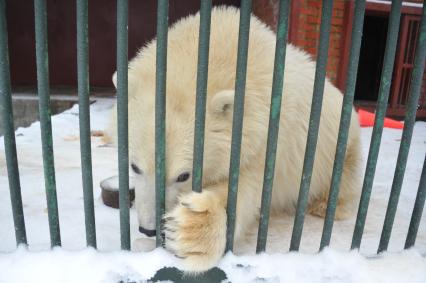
{"points": [[160, 116], [84, 119], [417, 210], [9, 133], [237, 124], [122, 122], [314, 122], [45, 122], [345, 121], [410, 118], [274, 123], [200, 107], [382, 103]]}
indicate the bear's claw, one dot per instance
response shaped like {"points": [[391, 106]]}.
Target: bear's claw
{"points": [[195, 231]]}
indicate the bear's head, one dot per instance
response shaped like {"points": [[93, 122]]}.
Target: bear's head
{"points": [[180, 121], [180, 109]]}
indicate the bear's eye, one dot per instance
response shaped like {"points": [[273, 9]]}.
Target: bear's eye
{"points": [[136, 169], [182, 177]]}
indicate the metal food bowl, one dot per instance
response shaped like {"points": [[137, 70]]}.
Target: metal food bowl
{"points": [[110, 193]]}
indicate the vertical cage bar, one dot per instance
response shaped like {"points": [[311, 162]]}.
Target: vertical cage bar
{"points": [[274, 123], [417, 210], [122, 122], [314, 122], [200, 107], [410, 118], [345, 121], [45, 122], [84, 119], [9, 133], [237, 124], [160, 115], [382, 103]]}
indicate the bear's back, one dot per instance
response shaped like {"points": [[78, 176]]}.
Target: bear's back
{"points": [[182, 55]]}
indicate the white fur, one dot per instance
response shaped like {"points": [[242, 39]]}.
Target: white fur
{"points": [[196, 224]]}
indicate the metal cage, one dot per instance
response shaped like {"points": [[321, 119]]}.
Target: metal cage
{"points": [[202, 73]]}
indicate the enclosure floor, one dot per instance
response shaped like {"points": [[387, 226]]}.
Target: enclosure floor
{"points": [[70, 195]]}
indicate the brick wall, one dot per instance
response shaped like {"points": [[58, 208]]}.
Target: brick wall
{"points": [[305, 18], [308, 31]]}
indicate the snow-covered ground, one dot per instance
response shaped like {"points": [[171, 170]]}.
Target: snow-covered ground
{"points": [[113, 267], [336, 265]]}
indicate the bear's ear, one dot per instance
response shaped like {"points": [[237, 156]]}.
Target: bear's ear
{"points": [[131, 82], [114, 79], [222, 102]]}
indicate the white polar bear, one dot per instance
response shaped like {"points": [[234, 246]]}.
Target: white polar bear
{"points": [[196, 224]]}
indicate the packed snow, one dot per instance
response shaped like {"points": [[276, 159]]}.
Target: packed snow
{"points": [[113, 267], [73, 262]]}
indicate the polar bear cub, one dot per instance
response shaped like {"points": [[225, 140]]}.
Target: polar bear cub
{"points": [[195, 224]]}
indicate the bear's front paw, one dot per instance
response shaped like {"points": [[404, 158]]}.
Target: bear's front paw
{"points": [[195, 230]]}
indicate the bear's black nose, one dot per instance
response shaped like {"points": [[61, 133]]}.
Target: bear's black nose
{"points": [[149, 233]]}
